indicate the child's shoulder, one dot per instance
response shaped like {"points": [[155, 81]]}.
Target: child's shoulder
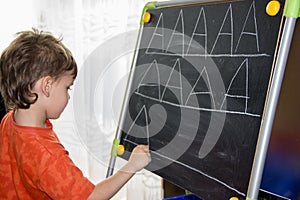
{"points": [[28, 138]]}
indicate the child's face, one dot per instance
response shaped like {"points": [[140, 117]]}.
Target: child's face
{"points": [[59, 95]]}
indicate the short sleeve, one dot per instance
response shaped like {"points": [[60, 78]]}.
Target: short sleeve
{"points": [[61, 179], [50, 169]]}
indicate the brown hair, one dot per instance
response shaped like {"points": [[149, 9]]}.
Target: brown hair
{"points": [[31, 56]]}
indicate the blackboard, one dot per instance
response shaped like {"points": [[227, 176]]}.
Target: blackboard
{"points": [[197, 93]]}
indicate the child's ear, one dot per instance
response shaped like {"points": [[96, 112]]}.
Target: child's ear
{"points": [[46, 85]]}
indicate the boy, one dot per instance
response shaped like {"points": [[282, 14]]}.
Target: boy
{"points": [[36, 72]]}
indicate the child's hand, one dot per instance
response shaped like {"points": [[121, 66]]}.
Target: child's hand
{"points": [[140, 157]]}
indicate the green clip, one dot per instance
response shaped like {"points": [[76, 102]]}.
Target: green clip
{"points": [[116, 143], [292, 8], [149, 5], [187, 192]]}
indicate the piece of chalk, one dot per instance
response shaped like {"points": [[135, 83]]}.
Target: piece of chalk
{"points": [[234, 198], [147, 17], [273, 8], [120, 150]]}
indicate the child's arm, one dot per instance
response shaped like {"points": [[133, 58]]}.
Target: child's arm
{"points": [[139, 158]]}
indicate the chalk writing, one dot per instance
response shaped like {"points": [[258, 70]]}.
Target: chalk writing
{"points": [[184, 100], [198, 91], [226, 30]]}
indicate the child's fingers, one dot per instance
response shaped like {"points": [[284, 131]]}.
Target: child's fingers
{"points": [[142, 148]]}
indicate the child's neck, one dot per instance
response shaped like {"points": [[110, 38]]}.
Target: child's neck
{"points": [[28, 117]]}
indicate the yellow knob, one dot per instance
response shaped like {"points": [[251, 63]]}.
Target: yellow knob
{"points": [[273, 8], [120, 149], [147, 17], [234, 198]]}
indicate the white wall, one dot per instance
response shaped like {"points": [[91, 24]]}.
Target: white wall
{"points": [[89, 27], [15, 15]]}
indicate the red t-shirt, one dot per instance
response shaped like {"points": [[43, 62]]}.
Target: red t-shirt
{"points": [[34, 165]]}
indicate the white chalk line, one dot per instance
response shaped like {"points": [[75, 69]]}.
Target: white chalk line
{"points": [[194, 169], [197, 108]]}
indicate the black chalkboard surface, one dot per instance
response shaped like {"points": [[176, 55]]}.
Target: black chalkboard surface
{"points": [[197, 93]]}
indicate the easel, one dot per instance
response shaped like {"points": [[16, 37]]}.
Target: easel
{"points": [[291, 13]]}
